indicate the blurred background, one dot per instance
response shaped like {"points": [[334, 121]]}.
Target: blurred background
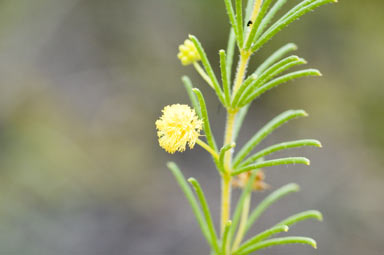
{"points": [[83, 81]]}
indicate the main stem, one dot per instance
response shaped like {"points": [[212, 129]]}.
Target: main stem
{"points": [[229, 127], [231, 117]]}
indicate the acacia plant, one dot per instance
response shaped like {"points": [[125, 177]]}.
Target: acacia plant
{"points": [[181, 125]]}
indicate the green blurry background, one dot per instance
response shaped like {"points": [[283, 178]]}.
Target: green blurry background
{"points": [[83, 81]]}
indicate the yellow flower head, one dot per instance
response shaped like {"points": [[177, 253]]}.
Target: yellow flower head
{"points": [[178, 126], [188, 53]]}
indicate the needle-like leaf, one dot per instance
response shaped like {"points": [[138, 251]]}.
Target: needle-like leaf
{"points": [[192, 97], [279, 241], [276, 82], [268, 201], [191, 199], [206, 212], [263, 235], [310, 214], [204, 114], [265, 131], [208, 68], [279, 147], [286, 20], [273, 162]]}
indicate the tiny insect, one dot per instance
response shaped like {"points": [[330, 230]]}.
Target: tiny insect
{"points": [[249, 23]]}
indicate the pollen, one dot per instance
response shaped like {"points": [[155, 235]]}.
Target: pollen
{"points": [[177, 127], [188, 53]]}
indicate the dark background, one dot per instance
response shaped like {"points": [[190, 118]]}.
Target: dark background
{"points": [[83, 81]]}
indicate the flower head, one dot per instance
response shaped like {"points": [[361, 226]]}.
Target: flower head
{"points": [[178, 126], [188, 53]]}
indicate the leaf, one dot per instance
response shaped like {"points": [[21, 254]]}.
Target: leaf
{"points": [[314, 214], [279, 147], [204, 114], [268, 201], [224, 77], [267, 19], [192, 97], [291, 16], [270, 73], [223, 150], [272, 162], [276, 82], [191, 199], [206, 211], [265, 131], [279, 241], [263, 235], [275, 57], [208, 68]]}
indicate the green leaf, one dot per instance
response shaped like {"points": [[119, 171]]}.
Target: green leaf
{"points": [[267, 19], [279, 147], [208, 68], [279, 241], [231, 16], [276, 82], [191, 199], [265, 131], [206, 211], [224, 240], [263, 235], [286, 20], [239, 21], [270, 73], [255, 25], [206, 125], [192, 97], [310, 214], [248, 11], [272, 162], [247, 83], [230, 53], [275, 57], [237, 214], [268, 201], [222, 155], [224, 77]]}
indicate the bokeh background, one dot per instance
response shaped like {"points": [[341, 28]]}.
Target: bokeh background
{"points": [[82, 82]]}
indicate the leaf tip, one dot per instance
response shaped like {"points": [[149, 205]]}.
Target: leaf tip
{"points": [[292, 46], [294, 187], [319, 216], [171, 164], [302, 113]]}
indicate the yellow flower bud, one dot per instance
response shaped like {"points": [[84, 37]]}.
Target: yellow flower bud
{"points": [[188, 53], [178, 126]]}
